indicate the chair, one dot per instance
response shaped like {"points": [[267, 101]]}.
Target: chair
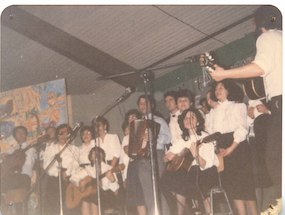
{"points": [[219, 190]]}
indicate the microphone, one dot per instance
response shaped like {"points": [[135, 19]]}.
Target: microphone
{"points": [[127, 93], [76, 128]]}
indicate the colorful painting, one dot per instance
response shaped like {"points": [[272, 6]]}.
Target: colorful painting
{"points": [[35, 107]]}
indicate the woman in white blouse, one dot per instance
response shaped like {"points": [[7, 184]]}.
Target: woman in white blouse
{"points": [[86, 146], [86, 136], [230, 118], [203, 171]]}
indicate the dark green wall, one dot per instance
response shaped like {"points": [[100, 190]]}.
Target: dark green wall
{"points": [[226, 56]]}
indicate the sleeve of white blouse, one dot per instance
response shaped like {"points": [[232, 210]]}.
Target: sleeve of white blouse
{"points": [[208, 121], [240, 121], [125, 141], [116, 145], [207, 152]]}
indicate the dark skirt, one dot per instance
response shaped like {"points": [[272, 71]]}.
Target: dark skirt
{"points": [[134, 189], [237, 177], [199, 183], [174, 182]]}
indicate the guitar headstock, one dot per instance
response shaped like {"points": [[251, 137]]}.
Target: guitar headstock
{"points": [[207, 61]]}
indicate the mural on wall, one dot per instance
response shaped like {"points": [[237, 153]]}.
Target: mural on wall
{"points": [[35, 107]]}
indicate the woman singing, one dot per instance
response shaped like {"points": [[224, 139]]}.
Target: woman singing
{"points": [[230, 119], [86, 136]]}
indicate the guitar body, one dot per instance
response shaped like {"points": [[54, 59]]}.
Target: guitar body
{"points": [[87, 186], [254, 88], [180, 162], [16, 195], [12, 163], [75, 194]]}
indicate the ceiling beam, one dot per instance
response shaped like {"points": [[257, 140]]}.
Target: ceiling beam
{"points": [[67, 45]]}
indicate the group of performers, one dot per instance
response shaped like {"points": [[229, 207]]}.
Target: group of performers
{"points": [[243, 165]]}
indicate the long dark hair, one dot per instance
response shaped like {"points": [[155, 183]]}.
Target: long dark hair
{"points": [[200, 122]]}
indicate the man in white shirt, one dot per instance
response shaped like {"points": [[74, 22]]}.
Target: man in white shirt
{"points": [[170, 100], [69, 160], [267, 64]]}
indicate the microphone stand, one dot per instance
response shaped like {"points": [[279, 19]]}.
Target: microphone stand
{"points": [[59, 160], [149, 116], [97, 167], [127, 92]]}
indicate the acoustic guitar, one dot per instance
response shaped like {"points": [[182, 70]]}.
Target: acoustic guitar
{"points": [[15, 161], [87, 186], [253, 87], [185, 162]]}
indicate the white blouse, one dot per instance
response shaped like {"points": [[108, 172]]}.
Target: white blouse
{"points": [[84, 152], [111, 145], [230, 117]]}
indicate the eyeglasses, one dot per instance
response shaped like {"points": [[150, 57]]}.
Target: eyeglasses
{"points": [[62, 133]]}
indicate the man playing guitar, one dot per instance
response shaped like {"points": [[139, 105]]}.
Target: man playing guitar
{"points": [[267, 64], [18, 173]]}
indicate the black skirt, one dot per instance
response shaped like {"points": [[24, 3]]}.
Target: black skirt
{"points": [[174, 182], [237, 177], [199, 183]]}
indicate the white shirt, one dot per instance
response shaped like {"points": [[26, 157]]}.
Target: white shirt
{"points": [[175, 128], [31, 156], [269, 58], [84, 150], [70, 159], [111, 146], [47, 145], [124, 158], [208, 120], [230, 117]]}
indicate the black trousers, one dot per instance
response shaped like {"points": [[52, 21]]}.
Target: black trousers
{"points": [[273, 152]]}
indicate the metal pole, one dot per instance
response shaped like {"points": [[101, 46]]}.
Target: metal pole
{"points": [[149, 116], [60, 185]]}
